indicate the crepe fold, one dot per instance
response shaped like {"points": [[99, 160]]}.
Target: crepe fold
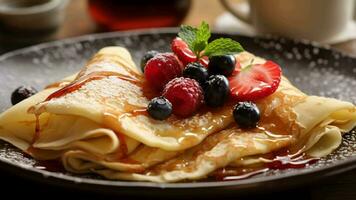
{"points": [[95, 121]]}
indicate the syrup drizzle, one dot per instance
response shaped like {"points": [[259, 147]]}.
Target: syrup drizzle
{"points": [[75, 85], [290, 161], [281, 160], [57, 84], [37, 130], [78, 83], [137, 112], [240, 176], [123, 150], [35, 137]]}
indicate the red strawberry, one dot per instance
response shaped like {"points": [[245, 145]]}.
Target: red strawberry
{"points": [[161, 69], [181, 49], [255, 81], [237, 69], [185, 94]]}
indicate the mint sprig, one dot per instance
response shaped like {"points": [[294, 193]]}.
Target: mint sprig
{"points": [[197, 40]]}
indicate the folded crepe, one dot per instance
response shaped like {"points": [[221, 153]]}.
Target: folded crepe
{"points": [[95, 121]]}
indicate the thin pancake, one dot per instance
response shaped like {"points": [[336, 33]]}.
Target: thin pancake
{"points": [[97, 123], [113, 92]]}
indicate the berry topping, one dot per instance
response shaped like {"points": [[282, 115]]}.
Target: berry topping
{"points": [[185, 94], [255, 81], [161, 69], [185, 55], [224, 65], [216, 90], [246, 114], [196, 71], [159, 108], [148, 55], [22, 93]]}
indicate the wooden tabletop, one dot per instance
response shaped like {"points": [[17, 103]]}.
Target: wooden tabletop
{"points": [[78, 22]]}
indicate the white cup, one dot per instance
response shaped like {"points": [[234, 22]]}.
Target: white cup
{"points": [[32, 15], [319, 20]]}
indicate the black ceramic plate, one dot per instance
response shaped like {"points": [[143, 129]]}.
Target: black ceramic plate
{"points": [[315, 70]]}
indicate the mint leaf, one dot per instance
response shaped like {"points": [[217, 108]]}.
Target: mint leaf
{"points": [[203, 32], [222, 46], [202, 36], [199, 46], [197, 41], [188, 35]]}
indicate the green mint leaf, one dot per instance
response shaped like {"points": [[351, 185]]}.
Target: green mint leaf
{"points": [[203, 32], [199, 46], [188, 35], [202, 36], [197, 41], [222, 46]]}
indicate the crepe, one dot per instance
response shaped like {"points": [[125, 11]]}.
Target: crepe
{"points": [[95, 121]]}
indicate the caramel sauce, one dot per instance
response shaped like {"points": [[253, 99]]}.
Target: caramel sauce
{"points": [[123, 145], [279, 160], [57, 84], [139, 112], [78, 83], [75, 85], [226, 174], [37, 130], [148, 91], [286, 159], [111, 121], [277, 115]]}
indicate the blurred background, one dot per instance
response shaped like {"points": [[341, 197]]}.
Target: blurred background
{"points": [[28, 22], [70, 18]]}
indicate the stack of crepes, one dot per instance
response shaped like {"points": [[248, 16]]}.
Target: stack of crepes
{"points": [[94, 121]]}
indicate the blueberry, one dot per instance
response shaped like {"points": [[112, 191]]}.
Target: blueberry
{"points": [[21, 93], [246, 114], [216, 90], [148, 55], [196, 71], [224, 65], [159, 108]]}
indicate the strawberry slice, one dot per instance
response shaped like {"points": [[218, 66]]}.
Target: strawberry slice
{"points": [[185, 55], [255, 81], [237, 69]]}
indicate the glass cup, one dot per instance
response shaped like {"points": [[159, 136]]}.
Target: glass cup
{"points": [[133, 14]]}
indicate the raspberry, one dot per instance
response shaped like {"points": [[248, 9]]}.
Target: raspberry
{"points": [[162, 68], [185, 94]]}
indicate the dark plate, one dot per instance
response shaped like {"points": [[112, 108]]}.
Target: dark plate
{"points": [[315, 70]]}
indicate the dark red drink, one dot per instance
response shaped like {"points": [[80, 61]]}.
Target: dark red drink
{"points": [[133, 14]]}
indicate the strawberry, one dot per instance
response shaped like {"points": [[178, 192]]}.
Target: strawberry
{"points": [[255, 81], [237, 69], [185, 55]]}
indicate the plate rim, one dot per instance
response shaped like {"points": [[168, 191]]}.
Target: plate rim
{"points": [[165, 30], [329, 170], [333, 169]]}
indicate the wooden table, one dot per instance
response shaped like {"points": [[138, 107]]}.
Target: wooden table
{"points": [[78, 22]]}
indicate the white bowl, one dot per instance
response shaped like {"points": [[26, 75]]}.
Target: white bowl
{"points": [[32, 15]]}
